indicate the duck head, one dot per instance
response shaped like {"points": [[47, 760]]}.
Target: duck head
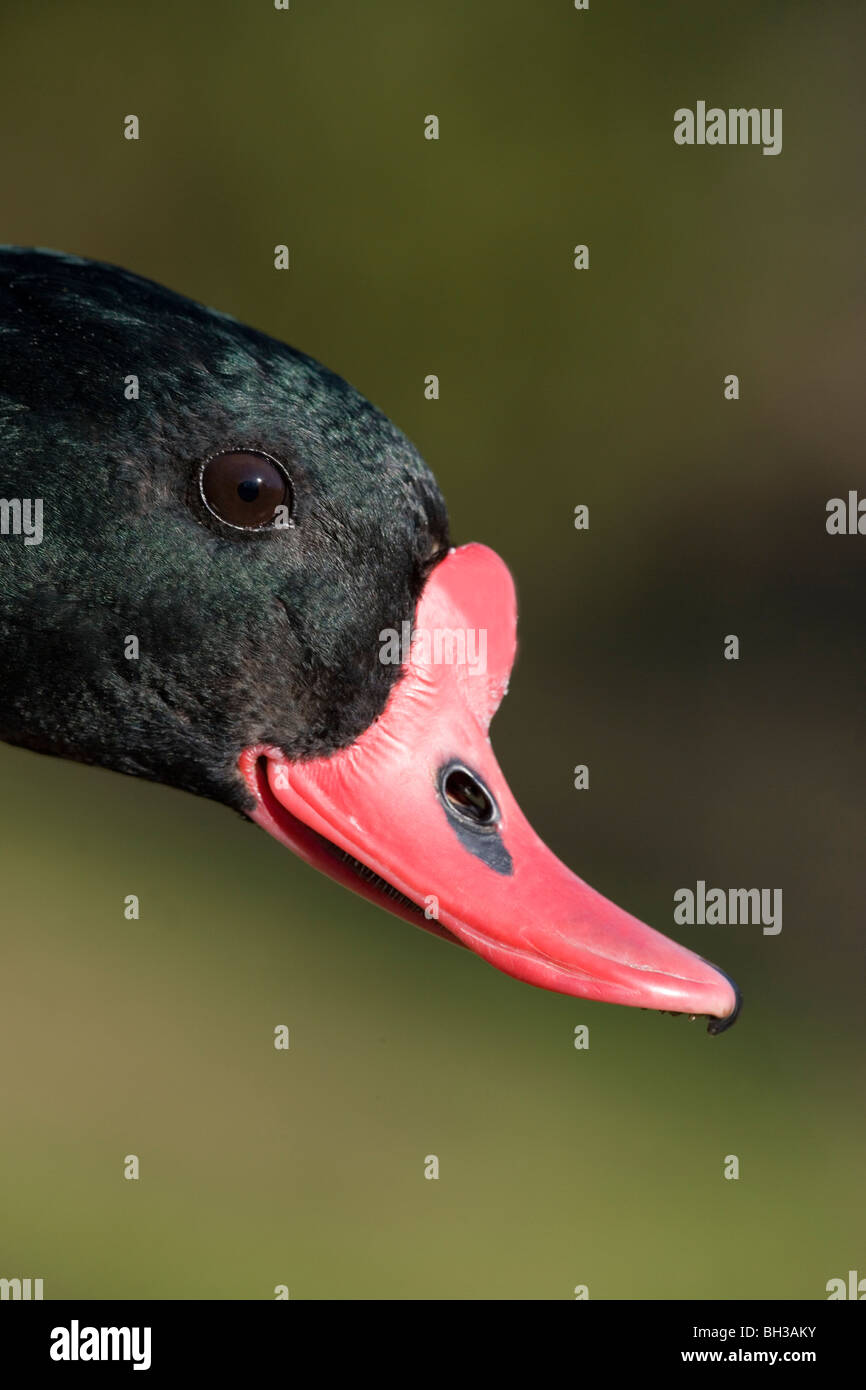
{"points": [[244, 587]]}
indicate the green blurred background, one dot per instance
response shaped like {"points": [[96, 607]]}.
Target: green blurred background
{"points": [[558, 1167]]}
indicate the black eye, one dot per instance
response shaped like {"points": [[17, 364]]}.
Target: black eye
{"points": [[250, 491], [467, 797]]}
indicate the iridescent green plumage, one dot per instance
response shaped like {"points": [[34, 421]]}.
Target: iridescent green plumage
{"points": [[243, 639]]}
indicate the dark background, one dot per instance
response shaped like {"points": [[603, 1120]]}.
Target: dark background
{"points": [[605, 387]]}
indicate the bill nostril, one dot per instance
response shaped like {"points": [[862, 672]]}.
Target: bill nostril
{"points": [[467, 797]]}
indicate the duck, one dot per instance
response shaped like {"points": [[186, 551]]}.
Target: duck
{"points": [[243, 585]]}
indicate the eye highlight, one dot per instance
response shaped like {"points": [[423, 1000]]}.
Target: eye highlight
{"points": [[246, 489]]}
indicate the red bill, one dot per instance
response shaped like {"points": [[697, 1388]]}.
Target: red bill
{"points": [[417, 816]]}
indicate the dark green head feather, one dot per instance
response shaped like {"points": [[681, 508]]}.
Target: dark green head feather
{"points": [[268, 637]]}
